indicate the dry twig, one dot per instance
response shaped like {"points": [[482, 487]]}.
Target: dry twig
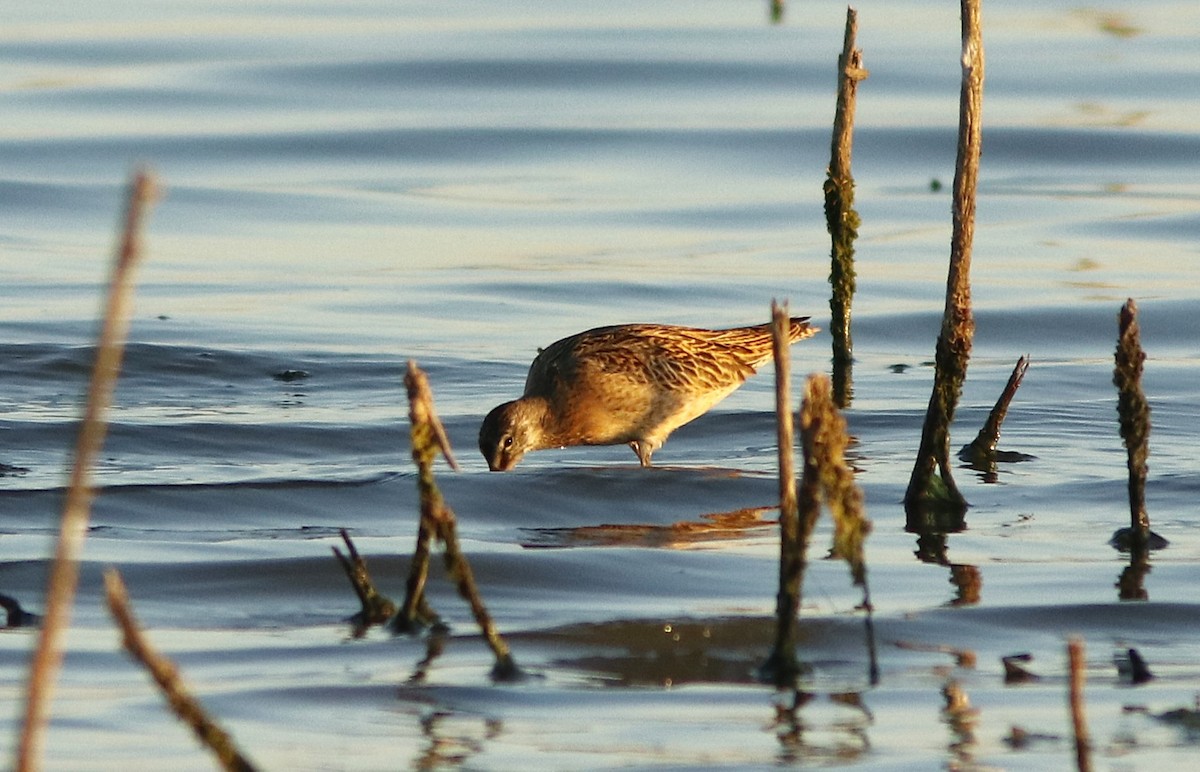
{"points": [[782, 667], [376, 607], [164, 672], [1076, 677], [438, 521], [64, 571]]}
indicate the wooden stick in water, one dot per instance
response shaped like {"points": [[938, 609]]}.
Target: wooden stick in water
{"points": [[428, 439], [505, 668], [415, 613], [825, 476], [64, 571], [1076, 676], [933, 501], [377, 608], [841, 219], [1134, 414], [982, 449], [437, 519], [781, 666], [823, 437], [164, 672]]}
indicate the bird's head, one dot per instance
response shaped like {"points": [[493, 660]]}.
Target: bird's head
{"points": [[508, 432]]}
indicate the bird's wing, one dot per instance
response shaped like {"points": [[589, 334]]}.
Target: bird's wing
{"points": [[673, 359]]}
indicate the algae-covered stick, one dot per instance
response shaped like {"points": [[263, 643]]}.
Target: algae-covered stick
{"points": [[932, 492], [841, 219]]}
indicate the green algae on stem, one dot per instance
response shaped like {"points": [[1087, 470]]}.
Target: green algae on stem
{"points": [[77, 507], [824, 438], [826, 477], [438, 521], [164, 672], [1133, 413], [933, 500], [841, 219], [777, 8]]}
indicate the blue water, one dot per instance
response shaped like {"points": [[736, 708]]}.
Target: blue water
{"points": [[350, 186]]}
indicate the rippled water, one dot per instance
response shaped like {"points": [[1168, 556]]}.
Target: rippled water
{"points": [[352, 185]]}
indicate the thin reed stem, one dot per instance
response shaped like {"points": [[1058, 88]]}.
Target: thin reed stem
{"points": [[164, 672], [64, 571], [1076, 674], [438, 520], [782, 667]]}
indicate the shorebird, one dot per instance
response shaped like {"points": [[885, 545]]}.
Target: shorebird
{"points": [[630, 383]]}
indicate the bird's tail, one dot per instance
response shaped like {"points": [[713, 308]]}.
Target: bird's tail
{"points": [[756, 340]]}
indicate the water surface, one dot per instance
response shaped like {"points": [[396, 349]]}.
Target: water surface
{"points": [[352, 186]]}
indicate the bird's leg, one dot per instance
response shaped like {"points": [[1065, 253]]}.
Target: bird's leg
{"points": [[644, 449]]}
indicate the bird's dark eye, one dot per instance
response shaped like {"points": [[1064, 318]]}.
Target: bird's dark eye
{"points": [[508, 441]]}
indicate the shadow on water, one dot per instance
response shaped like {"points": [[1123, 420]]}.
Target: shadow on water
{"points": [[716, 526]]}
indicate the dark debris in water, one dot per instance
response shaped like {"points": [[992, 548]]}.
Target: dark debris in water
{"points": [[8, 470], [981, 454], [17, 616], [1184, 718], [291, 376], [1015, 671], [1020, 738], [1122, 539], [1132, 667]]}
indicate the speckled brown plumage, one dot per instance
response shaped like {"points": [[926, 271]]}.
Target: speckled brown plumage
{"points": [[630, 383]]}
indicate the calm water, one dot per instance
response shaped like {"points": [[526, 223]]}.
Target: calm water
{"points": [[350, 185]]}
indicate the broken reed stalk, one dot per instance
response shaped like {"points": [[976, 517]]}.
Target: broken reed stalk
{"points": [[428, 438], [377, 608], [1076, 676], [505, 668], [164, 672], [824, 437], [1134, 414], [825, 476], [840, 217], [932, 493], [438, 520], [15, 616], [982, 450], [782, 667], [416, 614], [64, 571]]}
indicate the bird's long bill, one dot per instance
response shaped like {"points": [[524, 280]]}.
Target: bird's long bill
{"points": [[502, 461]]}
